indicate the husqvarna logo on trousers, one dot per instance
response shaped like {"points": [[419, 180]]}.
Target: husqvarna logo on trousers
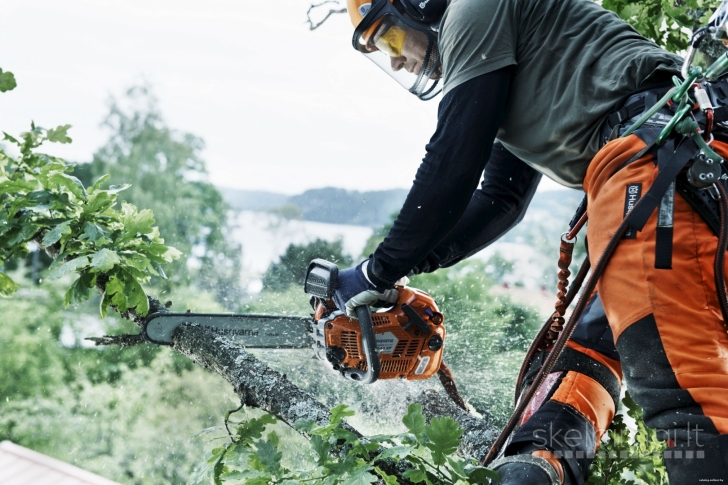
{"points": [[634, 192]]}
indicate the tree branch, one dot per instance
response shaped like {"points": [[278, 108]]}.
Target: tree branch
{"points": [[257, 384], [127, 340], [479, 433], [261, 387], [314, 26]]}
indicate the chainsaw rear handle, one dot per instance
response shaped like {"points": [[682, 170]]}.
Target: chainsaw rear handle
{"points": [[321, 279]]}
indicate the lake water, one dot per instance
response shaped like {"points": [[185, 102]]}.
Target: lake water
{"points": [[264, 237]]}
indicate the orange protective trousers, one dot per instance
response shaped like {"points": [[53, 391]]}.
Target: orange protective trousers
{"points": [[666, 324]]}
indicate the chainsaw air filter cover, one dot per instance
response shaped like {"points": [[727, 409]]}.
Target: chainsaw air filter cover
{"points": [[409, 337]]}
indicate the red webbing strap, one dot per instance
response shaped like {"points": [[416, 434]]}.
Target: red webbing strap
{"points": [[539, 342]]}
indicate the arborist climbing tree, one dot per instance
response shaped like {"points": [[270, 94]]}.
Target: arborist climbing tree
{"points": [[568, 90]]}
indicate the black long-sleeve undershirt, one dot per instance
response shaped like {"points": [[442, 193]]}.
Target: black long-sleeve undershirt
{"points": [[444, 219]]}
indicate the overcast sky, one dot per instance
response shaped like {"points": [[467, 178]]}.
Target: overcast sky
{"points": [[280, 108]]}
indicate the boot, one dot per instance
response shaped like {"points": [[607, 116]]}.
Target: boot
{"points": [[526, 470]]}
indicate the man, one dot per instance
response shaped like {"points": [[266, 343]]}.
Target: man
{"points": [[534, 87]]}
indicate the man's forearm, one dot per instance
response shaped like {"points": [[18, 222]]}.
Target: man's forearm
{"points": [[501, 202], [469, 117]]}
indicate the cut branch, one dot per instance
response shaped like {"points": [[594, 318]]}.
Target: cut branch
{"points": [[260, 386], [256, 384], [127, 340]]}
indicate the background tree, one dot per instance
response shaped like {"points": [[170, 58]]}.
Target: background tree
{"points": [[167, 175], [293, 264]]}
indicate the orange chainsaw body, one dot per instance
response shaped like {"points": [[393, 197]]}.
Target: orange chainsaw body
{"points": [[410, 337]]}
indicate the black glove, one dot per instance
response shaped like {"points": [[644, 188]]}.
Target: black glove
{"points": [[354, 289]]}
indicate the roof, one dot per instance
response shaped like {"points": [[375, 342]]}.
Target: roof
{"points": [[21, 466]]}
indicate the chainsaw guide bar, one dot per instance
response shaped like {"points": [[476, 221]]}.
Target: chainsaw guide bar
{"points": [[249, 330]]}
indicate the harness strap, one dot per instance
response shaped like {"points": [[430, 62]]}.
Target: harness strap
{"points": [[638, 217], [664, 232]]}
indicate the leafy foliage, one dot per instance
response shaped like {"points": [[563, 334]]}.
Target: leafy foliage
{"points": [[637, 453], [291, 269], [7, 81], [167, 175], [666, 22], [56, 394], [42, 202], [339, 457]]}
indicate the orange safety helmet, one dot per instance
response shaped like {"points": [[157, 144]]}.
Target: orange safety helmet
{"points": [[400, 36]]}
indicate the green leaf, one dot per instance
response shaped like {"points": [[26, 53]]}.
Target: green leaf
{"points": [[11, 138], [98, 202], [344, 435], [97, 185], [415, 475], [217, 460], [388, 479], [22, 233], [124, 292], [105, 259], [7, 81], [267, 457], [444, 434], [253, 428], [55, 234], [159, 269], [115, 189], [15, 186], [361, 476], [414, 420], [59, 134], [7, 285], [136, 222], [70, 183], [72, 265], [171, 254], [457, 472], [80, 290], [93, 232], [633, 409], [395, 452], [479, 474], [321, 447], [265, 480], [340, 412]]}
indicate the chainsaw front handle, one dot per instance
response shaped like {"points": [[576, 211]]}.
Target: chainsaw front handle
{"points": [[368, 343]]}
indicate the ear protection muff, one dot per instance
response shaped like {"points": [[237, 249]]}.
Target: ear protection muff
{"points": [[425, 10]]}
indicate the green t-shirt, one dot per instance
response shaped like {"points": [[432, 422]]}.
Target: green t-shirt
{"points": [[574, 62]]}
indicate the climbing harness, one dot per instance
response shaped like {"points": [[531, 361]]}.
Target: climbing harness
{"points": [[686, 115]]}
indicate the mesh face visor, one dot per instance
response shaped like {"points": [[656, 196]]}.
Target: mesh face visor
{"points": [[406, 51]]}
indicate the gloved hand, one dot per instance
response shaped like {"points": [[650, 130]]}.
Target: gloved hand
{"points": [[354, 289]]}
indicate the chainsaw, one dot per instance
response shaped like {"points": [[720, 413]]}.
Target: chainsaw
{"points": [[405, 341]]}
